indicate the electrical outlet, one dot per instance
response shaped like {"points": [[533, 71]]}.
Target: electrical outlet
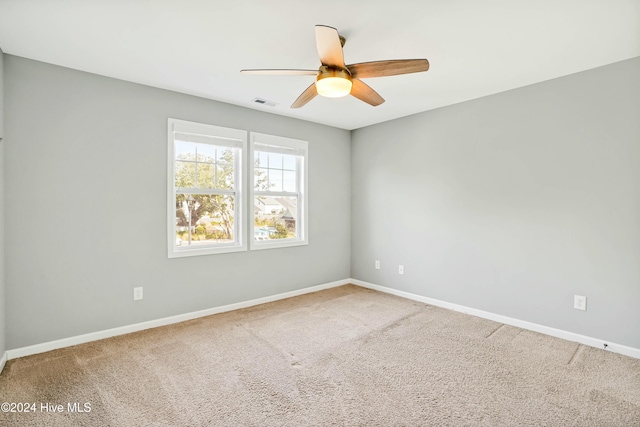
{"points": [[401, 269], [137, 293], [580, 302], [377, 264]]}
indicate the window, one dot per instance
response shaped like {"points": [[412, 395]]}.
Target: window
{"points": [[279, 192], [207, 205], [205, 189]]}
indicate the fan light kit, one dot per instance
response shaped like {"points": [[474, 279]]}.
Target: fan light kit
{"points": [[333, 83], [334, 79]]}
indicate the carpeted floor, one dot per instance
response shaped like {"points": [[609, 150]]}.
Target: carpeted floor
{"points": [[347, 356]]}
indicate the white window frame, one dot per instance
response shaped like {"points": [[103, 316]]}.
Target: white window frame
{"points": [[289, 146], [227, 136]]}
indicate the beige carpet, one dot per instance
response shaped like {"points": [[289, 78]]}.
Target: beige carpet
{"points": [[342, 357]]}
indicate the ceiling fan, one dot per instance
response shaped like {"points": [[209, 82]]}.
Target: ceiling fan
{"points": [[335, 79]]}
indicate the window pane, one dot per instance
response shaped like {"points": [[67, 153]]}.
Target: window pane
{"points": [[261, 179], [205, 175], [206, 166], [225, 178], [225, 155], [211, 218], [275, 218], [185, 150], [289, 162], [206, 152], [185, 174], [275, 161], [289, 183], [275, 180], [261, 159]]}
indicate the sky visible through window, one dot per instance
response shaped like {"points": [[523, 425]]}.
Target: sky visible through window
{"points": [[275, 172], [203, 165]]}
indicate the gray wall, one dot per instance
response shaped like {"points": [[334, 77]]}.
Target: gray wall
{"points": [[2, 282], [86, 213], [3, 304], [511, 203], [1, 94], [3, 347]]}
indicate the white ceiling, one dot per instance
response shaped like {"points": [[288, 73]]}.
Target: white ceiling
{"points": [[198, 47]]}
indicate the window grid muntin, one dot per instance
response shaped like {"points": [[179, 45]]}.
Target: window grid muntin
{"points": [[299, 155], [215, 162], [268, 169], [224, 138]]}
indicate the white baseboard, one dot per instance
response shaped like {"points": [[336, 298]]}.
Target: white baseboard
{"points": [[558, 333], [94, 336], [3, 361]]}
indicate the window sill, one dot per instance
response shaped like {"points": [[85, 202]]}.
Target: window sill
{"points": [[187, 252], [257, 245]]}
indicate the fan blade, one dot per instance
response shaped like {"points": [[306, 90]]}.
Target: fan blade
{"points": [[364, 93], [388, 68], [284, 72], [329, 46], [305, 97]]}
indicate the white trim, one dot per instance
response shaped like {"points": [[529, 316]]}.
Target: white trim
{"points": [[229, 136], [275, 143], [277, 243], [221, 248], [3, 361], [94, 336], [558, 333]]}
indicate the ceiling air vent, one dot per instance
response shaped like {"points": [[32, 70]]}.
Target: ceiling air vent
{"points": [[264, 102]]}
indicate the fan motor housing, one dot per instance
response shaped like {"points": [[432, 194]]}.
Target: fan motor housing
{"points": [[326, 71]]}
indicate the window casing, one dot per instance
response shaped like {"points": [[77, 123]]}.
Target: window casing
{"points": [[278, 193], [206, 198]]}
